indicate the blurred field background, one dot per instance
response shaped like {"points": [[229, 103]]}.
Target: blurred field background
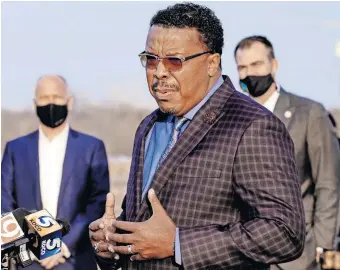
{"points": [[116, 126]]}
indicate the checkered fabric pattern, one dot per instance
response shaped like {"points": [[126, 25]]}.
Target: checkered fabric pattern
{"points": [[230, 184]]}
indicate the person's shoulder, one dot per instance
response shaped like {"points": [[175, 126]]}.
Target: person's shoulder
{"points": [[253, 119], [304, 103], [86, 138], [18, 142], [242, 106]]}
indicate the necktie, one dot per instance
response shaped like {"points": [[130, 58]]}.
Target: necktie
{"points": [[173, 139]]}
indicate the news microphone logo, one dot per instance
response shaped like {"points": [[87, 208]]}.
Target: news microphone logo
{"points": [[43, 222], [48, 234], [50, 247], [10, 230]]}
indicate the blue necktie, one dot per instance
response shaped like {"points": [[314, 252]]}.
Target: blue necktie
{"points": [[173, 139]]}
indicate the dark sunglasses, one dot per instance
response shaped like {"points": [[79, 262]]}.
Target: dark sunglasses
{"points": [[171, 63]]}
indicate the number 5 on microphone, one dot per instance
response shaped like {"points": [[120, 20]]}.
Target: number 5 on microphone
{"points": [[53, 244], [47, 233]]}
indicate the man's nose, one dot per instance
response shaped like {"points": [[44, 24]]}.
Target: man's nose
{"points": [[51, 99], [246, 72], [161, 72]]}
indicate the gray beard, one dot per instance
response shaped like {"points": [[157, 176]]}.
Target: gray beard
{"points": [[170, 111]]}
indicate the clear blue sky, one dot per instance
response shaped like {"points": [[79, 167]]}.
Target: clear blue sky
{"points": [[95, 46]]}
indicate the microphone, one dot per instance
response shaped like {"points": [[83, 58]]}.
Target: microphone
{"points": [[13, 239], [47, 233], [65, 225], [11, 227], [35, 230]]}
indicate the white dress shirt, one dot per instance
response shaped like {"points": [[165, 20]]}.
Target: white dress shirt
{"points": [[272, 100], [51, 160]]}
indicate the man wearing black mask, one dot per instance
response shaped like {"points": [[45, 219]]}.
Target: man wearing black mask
{"points": [[58, 169], [316, 148]]}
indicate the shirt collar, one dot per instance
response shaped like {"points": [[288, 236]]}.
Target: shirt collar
{"points": [[278, 87], [272, 100], [61, 136], [190, 115]]}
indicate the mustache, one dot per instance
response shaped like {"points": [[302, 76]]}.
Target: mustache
{"points": [[162, 84]]}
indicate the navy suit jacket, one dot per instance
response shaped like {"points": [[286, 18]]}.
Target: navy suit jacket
{"points": [[84, 185]]}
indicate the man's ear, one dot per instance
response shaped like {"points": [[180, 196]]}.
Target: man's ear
{"points": [[70, 103], [214, 64], [275, 67], [34, 105]]}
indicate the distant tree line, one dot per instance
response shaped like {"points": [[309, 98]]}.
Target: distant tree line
{"points": [[116, 126]]}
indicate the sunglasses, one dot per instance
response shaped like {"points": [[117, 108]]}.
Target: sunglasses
{"points": [[171, 63]]}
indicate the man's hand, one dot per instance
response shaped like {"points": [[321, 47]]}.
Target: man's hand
{"points": [[152, 239], [100, 228], [54, 260]]}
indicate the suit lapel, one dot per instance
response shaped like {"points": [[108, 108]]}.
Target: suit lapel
{"points": [[134, 187], [144, 131], [33, 159], [283, 108], [68, 166], [203, 121]]}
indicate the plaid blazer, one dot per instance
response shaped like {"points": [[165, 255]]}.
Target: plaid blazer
{"points": [[230, 184]]}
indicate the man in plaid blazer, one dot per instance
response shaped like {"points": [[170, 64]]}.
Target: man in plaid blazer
{"points": [[213, 182]]}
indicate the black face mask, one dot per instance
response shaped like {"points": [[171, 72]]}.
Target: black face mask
{"points": [[257, 85], [52, 115]]}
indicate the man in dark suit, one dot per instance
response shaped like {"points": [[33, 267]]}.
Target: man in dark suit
{"points": [[337, 238], [60, 170], [213, 182], [334, 124], [316, 148]]}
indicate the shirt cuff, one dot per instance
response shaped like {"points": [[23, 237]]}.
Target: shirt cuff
{"points": [[178, 256]]}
